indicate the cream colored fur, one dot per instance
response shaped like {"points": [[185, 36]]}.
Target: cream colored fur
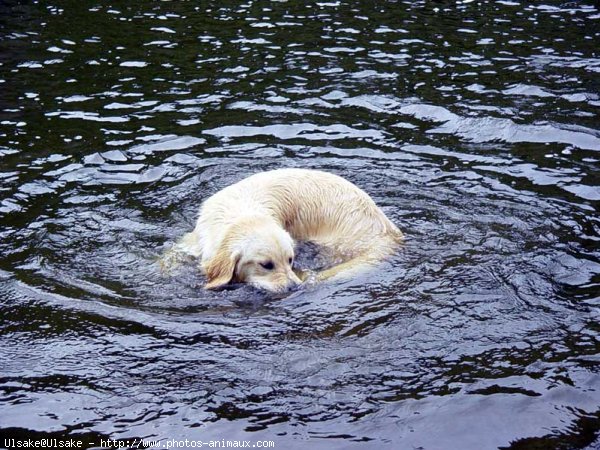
{"points": [[257, 221]]}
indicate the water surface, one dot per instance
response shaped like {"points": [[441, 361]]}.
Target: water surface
{"points": [[473, 124]]}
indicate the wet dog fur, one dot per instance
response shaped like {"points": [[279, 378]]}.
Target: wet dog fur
{"points": [[247, 232]]}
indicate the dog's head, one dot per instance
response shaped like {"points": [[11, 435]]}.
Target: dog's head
{"points": [[254, 250]]}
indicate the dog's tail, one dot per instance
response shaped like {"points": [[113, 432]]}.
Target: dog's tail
{"points": [[381, 248]]}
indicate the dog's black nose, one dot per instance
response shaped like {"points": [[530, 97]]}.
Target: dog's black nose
{"points": [[291, 287]]}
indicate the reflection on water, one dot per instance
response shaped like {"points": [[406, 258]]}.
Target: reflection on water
{"points": [[474, 125]]}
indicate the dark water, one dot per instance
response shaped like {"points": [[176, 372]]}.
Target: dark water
{"points": [[475, 125]]}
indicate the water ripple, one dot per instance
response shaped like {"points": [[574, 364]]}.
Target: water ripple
{"points": [[472, 124]]}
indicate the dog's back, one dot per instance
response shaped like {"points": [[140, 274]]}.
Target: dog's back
{"points": [[311, 205]]}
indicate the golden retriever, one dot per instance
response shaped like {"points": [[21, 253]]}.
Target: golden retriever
{"points": [[247, 231]]}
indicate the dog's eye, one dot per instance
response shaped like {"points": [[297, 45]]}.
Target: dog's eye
{"points": [[268, 265], [291, 260]]}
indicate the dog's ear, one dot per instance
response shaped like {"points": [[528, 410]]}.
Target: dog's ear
{"points": [[220, 269]]}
